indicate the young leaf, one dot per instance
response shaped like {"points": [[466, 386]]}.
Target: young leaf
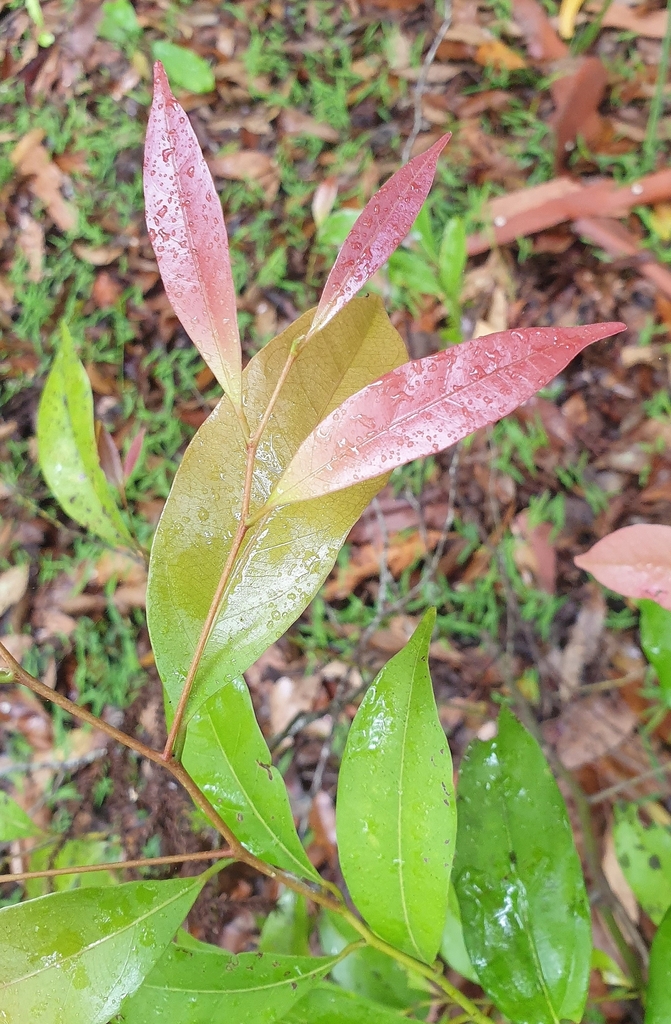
{"points": [[658, 996], [382, 226], [328, 1004], [395, 815], [187, 230], [367, 972], [452, 257], [227, 757], [67, 449], [452, 947], [74, 956], [14, 822], [287, 927], [284, 559], [655, 629], [427, 405], [198, 984], [518, 878], [634, 561], [645, 858]]}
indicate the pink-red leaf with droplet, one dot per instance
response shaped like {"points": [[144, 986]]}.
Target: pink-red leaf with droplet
{"points": [[427, 405], [187, 230], [382, 226], [634, 561]]}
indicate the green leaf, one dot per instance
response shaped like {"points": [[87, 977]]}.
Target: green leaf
{"points": [[395, 815], [423, 231], [74, 956], [287, 555], [328, 1004], [655, 628], [518, 878], [452, 258], [287, 927], [227, 757], [367, 971], [119, 22], [71, 854], [14, 822], [184, 68], [452, 947], [67, 449], [658, 997], [337, 226], [645, 858], [410, 271], [201, 985]]}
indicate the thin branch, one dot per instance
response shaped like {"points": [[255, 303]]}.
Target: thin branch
{"points": [[71, 765], [620, 787], [423, 80], [119, 865], [234, 550]]}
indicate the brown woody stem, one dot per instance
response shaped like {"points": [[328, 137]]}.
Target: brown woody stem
{"points": [[234, 550], [117, 865]]}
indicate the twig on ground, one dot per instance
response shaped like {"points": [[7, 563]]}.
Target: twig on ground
{"points": [[620, 787], [422, 81], [71, 765]]}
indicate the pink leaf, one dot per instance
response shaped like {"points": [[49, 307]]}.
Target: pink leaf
{"points": [[634, 561], [429, 404], [382, 226], [187, 230], [133, 454]]}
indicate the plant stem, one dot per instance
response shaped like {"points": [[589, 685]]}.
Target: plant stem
{"points": [[118, 865], [234, 550], [650, 142]]}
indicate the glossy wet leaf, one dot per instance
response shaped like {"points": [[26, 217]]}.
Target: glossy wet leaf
{"points": [[658, 993], [226, 755], [202, 984], [185, 68], [367, 972], [187, 230], [382, 226], [428, 404], [395, 813], [288, 554], [452, 947], [655, 628], [328, 1004], [67, 449], [519, 882], [14, 822], [287, 927], [74, 956], [644, 854], [634, 561]]}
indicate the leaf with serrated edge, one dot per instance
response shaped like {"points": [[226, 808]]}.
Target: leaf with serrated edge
{"points": [[228, 758], [658, 994], [395, 814], [634, 561], [517, 875], [284, 559], [68, 452], [75, 956], [384, 222], [198, 984], [428, 404], [187, 230]]}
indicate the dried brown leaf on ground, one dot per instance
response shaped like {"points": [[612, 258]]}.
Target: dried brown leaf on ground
{"points": [[13, 585], [647, 22], [589, 728], [609, 234], [584, 641], [30, 241], [45, 179]]}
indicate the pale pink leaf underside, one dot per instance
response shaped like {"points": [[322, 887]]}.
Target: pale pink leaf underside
{"points": [[187, 230], [429, 404], [382, 226], [634, 561]]}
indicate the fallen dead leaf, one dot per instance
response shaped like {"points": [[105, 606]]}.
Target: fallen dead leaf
{"points": [[589, 728], [30, 241], [534, 551], [289, 697], [583, 643], [616, 880], [578, 96], [295, 122], [612, 236], [495, 53], [13, 585], [401, 553], [651, 24], [324, 199], [99, 255], [45, 178], [22, 712], [248, 165]]}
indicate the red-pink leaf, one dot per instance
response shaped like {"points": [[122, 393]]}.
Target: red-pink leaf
{"points": [[187, 230], [634, 561], [382, 226], [133, 454], [429, 404]]}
